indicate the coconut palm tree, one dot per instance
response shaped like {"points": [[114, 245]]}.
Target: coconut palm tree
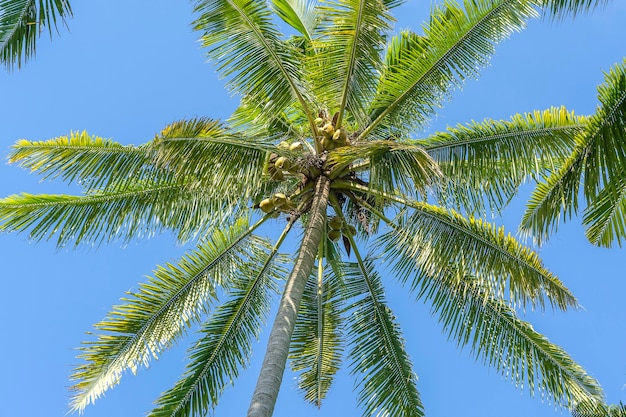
{"points": [[598, 162], [22, 22], [322, 143]]}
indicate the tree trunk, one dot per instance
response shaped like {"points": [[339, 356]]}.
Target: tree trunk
{"points": [[271, 375]]}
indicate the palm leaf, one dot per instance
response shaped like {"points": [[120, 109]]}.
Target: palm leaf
{"points": [[92, 161], [246, 45], [473, 317], [22, 21], [599, 155], [349, 52], [593, 409], [299, 14], [433, 238], [606, 157], [226, 342], [386, 381], [154, 317], [491, 159], [419, 72], [316, 346], [214, 156], [392, 165], [562, 8], [605, 217], [138, 210]]}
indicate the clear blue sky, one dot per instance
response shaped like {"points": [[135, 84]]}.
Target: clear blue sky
{"points": [[126, 69]]}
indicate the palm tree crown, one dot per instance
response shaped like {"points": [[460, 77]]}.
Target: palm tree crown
{"points": [[321, 141]]}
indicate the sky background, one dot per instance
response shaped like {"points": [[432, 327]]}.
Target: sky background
{"points": [[127, 68]]}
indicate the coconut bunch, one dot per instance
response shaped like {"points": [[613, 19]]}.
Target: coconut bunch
{"points": [[331, 137], [337, 227], [276, 204], [283, 161]]}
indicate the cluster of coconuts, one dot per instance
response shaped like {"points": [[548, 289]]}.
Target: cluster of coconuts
{"points": [[337, 228], [331, 137], [277, 203], [278, 164]]}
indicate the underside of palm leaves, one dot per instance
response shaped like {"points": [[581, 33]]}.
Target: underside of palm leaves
{"points": [[321, 141]]}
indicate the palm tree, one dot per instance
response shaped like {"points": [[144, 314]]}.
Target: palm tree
{"points": [[321, 142], [22, 22], [598, 162]]}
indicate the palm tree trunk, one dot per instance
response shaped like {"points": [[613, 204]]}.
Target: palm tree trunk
{"points": [[271, 375]]}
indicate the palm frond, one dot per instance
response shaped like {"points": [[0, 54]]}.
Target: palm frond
{"points": [[214, 156], [158, 313], [491, 159], [555, 199], [392, 165], [420, 72], [299, 14], [316, 344], [227, 336], [246, 46], [349, 53], [599, 159], [91, 161], [21, 23], [135, 211], [606, 156], [385, 377], [605, 217], [433, 238], [559, 9], [496, 336], [593, 409]]}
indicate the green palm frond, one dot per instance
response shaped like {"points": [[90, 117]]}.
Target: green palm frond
{"points": [[299, 14], [393, 166], [214, 156], [21, 23], [134, 211], [385, 377], [89, 160], [555, 199], [593, 409], [598, 160], [245, 43], [317, 345], [606, 156], [491, 159], [420, 71], [563, 8], [433, 238], [605, 217], [349, 52], [159, 312], [227, 337], [473, 317]]}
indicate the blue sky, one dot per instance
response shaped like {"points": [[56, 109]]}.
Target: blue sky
{"points": [[126, 69]]}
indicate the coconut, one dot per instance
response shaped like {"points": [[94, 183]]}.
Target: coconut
{"points": [[334, 235], [296, 146], [279, 199], [335, 223], [282, 163], [266, 205], [283, 145], [349, 230], [340, 135], [328, 130]]}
